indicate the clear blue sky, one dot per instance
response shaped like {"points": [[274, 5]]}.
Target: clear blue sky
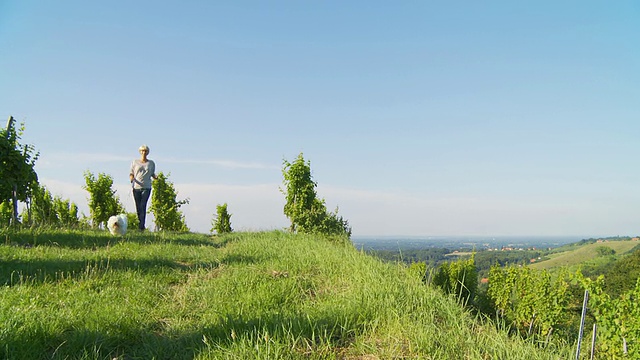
{"points": [[419, 118]]}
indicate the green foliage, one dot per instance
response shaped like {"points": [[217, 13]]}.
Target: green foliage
{"points": [[132, 220], [17, 163], [623, 274], [459, 278], [532, 301], [41, 211], [300, 191], [485, 260], [307, 213], [45, 210], [419, 270], [222, 222], [165, 206], [618, 319], [605, 251], [6, 212], [537, 303], [103, 202], [432, 257], [67, 212]]}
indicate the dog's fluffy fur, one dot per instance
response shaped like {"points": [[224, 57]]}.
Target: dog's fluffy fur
{"points": [[117, 225]]}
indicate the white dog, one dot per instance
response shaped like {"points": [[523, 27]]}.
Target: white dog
{"points": [[117, 225]]}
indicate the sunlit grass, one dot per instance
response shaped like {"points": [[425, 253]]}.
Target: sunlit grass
{"points": [[88, 295]]}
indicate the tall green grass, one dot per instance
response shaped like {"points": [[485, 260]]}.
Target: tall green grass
{"points": [[272, 295]]}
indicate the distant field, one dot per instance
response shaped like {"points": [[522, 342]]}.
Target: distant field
{"points": [[583, 254], [459, 253]]}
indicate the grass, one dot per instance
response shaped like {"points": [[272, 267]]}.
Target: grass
{"points": [[273, 295], [584, 255]]}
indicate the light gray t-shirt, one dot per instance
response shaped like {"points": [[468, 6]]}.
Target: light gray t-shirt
{"points": [[142, 173]]}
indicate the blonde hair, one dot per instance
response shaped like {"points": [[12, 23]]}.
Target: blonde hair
{"points": [[143, 147]]}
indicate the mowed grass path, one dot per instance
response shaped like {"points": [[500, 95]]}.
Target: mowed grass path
{"points": [[273, 295], [583, 254]]}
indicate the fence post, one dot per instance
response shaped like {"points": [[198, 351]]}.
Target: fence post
{"points": [[593, 341], [584, 313], [533, 319], [14, 189]]}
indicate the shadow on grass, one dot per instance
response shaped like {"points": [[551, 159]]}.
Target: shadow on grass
{"points": [[239, 259], [15, 272], [300, 335], [36, 271], [83, 239]]}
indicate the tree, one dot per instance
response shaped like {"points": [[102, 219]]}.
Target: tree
{"points": [[165, 207], [307, 213], [17, 163], [222, 222], [103, 202]]}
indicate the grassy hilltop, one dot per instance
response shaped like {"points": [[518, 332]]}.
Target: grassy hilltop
{"points": [[88, 295]]}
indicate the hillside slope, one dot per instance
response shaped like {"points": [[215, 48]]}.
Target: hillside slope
{"points": [[587, 254], [244, 296]]}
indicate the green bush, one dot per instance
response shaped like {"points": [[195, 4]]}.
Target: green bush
{"points": [[17, 162], [103, 202], [43, 209], [165, 206], [6, 211], [459, 278], [307, 213], [605, 250], [222, 222]]}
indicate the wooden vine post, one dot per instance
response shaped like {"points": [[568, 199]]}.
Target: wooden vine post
{"points": [[14, 192]]}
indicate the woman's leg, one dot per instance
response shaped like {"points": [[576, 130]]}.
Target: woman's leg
{"points": [[142, 207], [137, 197]]}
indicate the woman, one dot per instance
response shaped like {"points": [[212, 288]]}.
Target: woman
{"points": [[142, 171]]}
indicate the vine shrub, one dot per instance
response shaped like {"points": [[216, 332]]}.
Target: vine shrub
{"points": [[165, 206], [307, 213], [67, 212], [533, 302], [623, 274], [40, 210], [132, 220], [459, 278], [222, 221], [618, 319], [6, 212], [103, 202], [17, 162], [43, 209]]}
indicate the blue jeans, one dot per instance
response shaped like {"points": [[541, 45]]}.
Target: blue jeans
{"points": [[141, 196]]}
